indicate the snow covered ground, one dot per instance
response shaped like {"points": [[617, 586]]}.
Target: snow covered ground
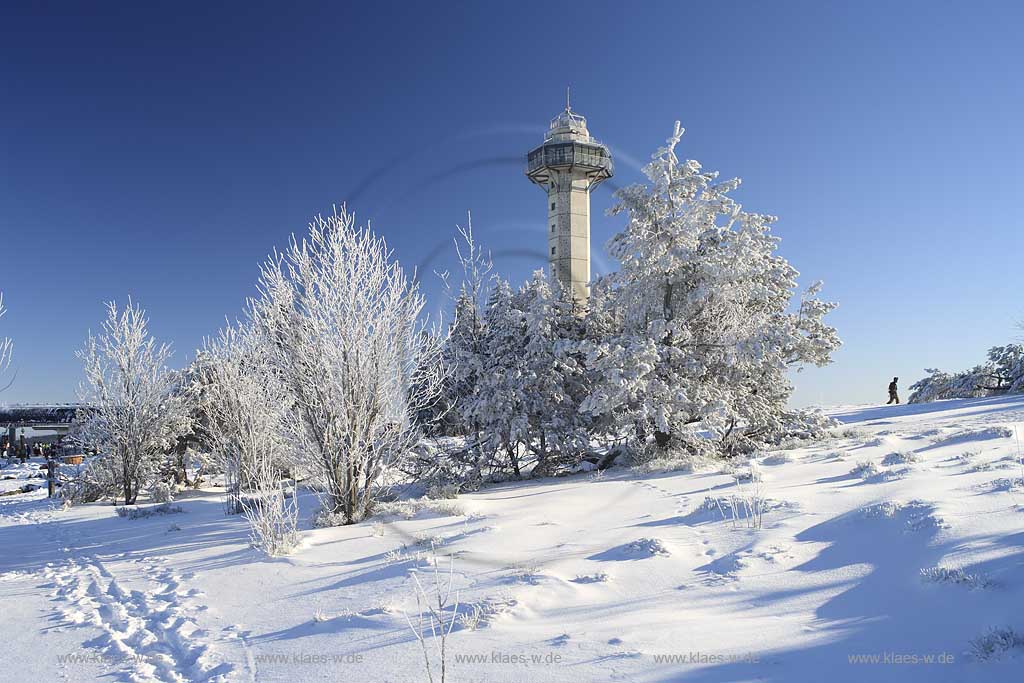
{"points": [[900, 539]]}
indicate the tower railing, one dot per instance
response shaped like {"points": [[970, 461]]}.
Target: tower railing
{"points": [[567, 154]]}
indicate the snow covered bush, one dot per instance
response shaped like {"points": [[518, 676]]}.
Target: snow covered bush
{"points": [[131, 512], [443, 492], [994, 644], [865, 469], [901, 458], [136, 410], [699, 337], [781, 458], [1002, 372], [272, 514], [955, 575], [161, 492], [346, 339]]}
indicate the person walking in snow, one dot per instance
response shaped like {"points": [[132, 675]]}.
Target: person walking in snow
{"points": [[893, 396]]}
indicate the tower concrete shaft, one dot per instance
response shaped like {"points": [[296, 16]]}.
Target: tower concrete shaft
{"points": [[568, 165], [569, 230]]}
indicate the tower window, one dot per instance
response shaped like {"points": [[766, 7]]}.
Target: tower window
{"points": [[552, 227], [552, 251], [552, 206]]}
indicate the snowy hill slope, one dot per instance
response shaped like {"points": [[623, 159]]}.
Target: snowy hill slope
{"points": [[887, 553]]}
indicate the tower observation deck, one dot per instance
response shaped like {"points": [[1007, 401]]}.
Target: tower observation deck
{"points": [[568, 165]]}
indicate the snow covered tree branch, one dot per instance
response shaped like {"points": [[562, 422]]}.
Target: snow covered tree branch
{"points": [[1002, 372], [6, 347]]}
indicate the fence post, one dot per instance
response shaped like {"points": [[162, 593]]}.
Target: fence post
{"points": [[50, 471]]}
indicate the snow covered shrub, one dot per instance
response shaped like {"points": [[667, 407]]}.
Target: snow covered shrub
{"points": [[1002, 372], [131, 512], [647, 547], [917, 515], [994, 644], [865, 469], [968, 457], [778, 459], [748, 502], [699, 337], [324, 519], [981, 434], [852, 433], [443, 491], [273, 516], [347, 341], [136, 410], [478, 615], [1009, 484], [473, 618], [447, 508], [426, 540], [901, 458], [954, 575], [525, 572], [161, 492], [85, 489]]}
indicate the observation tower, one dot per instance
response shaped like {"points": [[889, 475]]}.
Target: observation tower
{"points": [[568, 165]]}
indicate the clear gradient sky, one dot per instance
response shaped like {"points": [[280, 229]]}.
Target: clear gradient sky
{"points": [[162, 150]]}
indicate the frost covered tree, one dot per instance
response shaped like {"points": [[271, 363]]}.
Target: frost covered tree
{"points": [[528, 379], [345, 334], [247, 410], [554, 379], [1002, 372], [701, 336], [136, 409], [463, 356], [499, 406]]}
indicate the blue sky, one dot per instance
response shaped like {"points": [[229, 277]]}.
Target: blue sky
{"points": [[161, 151]]}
